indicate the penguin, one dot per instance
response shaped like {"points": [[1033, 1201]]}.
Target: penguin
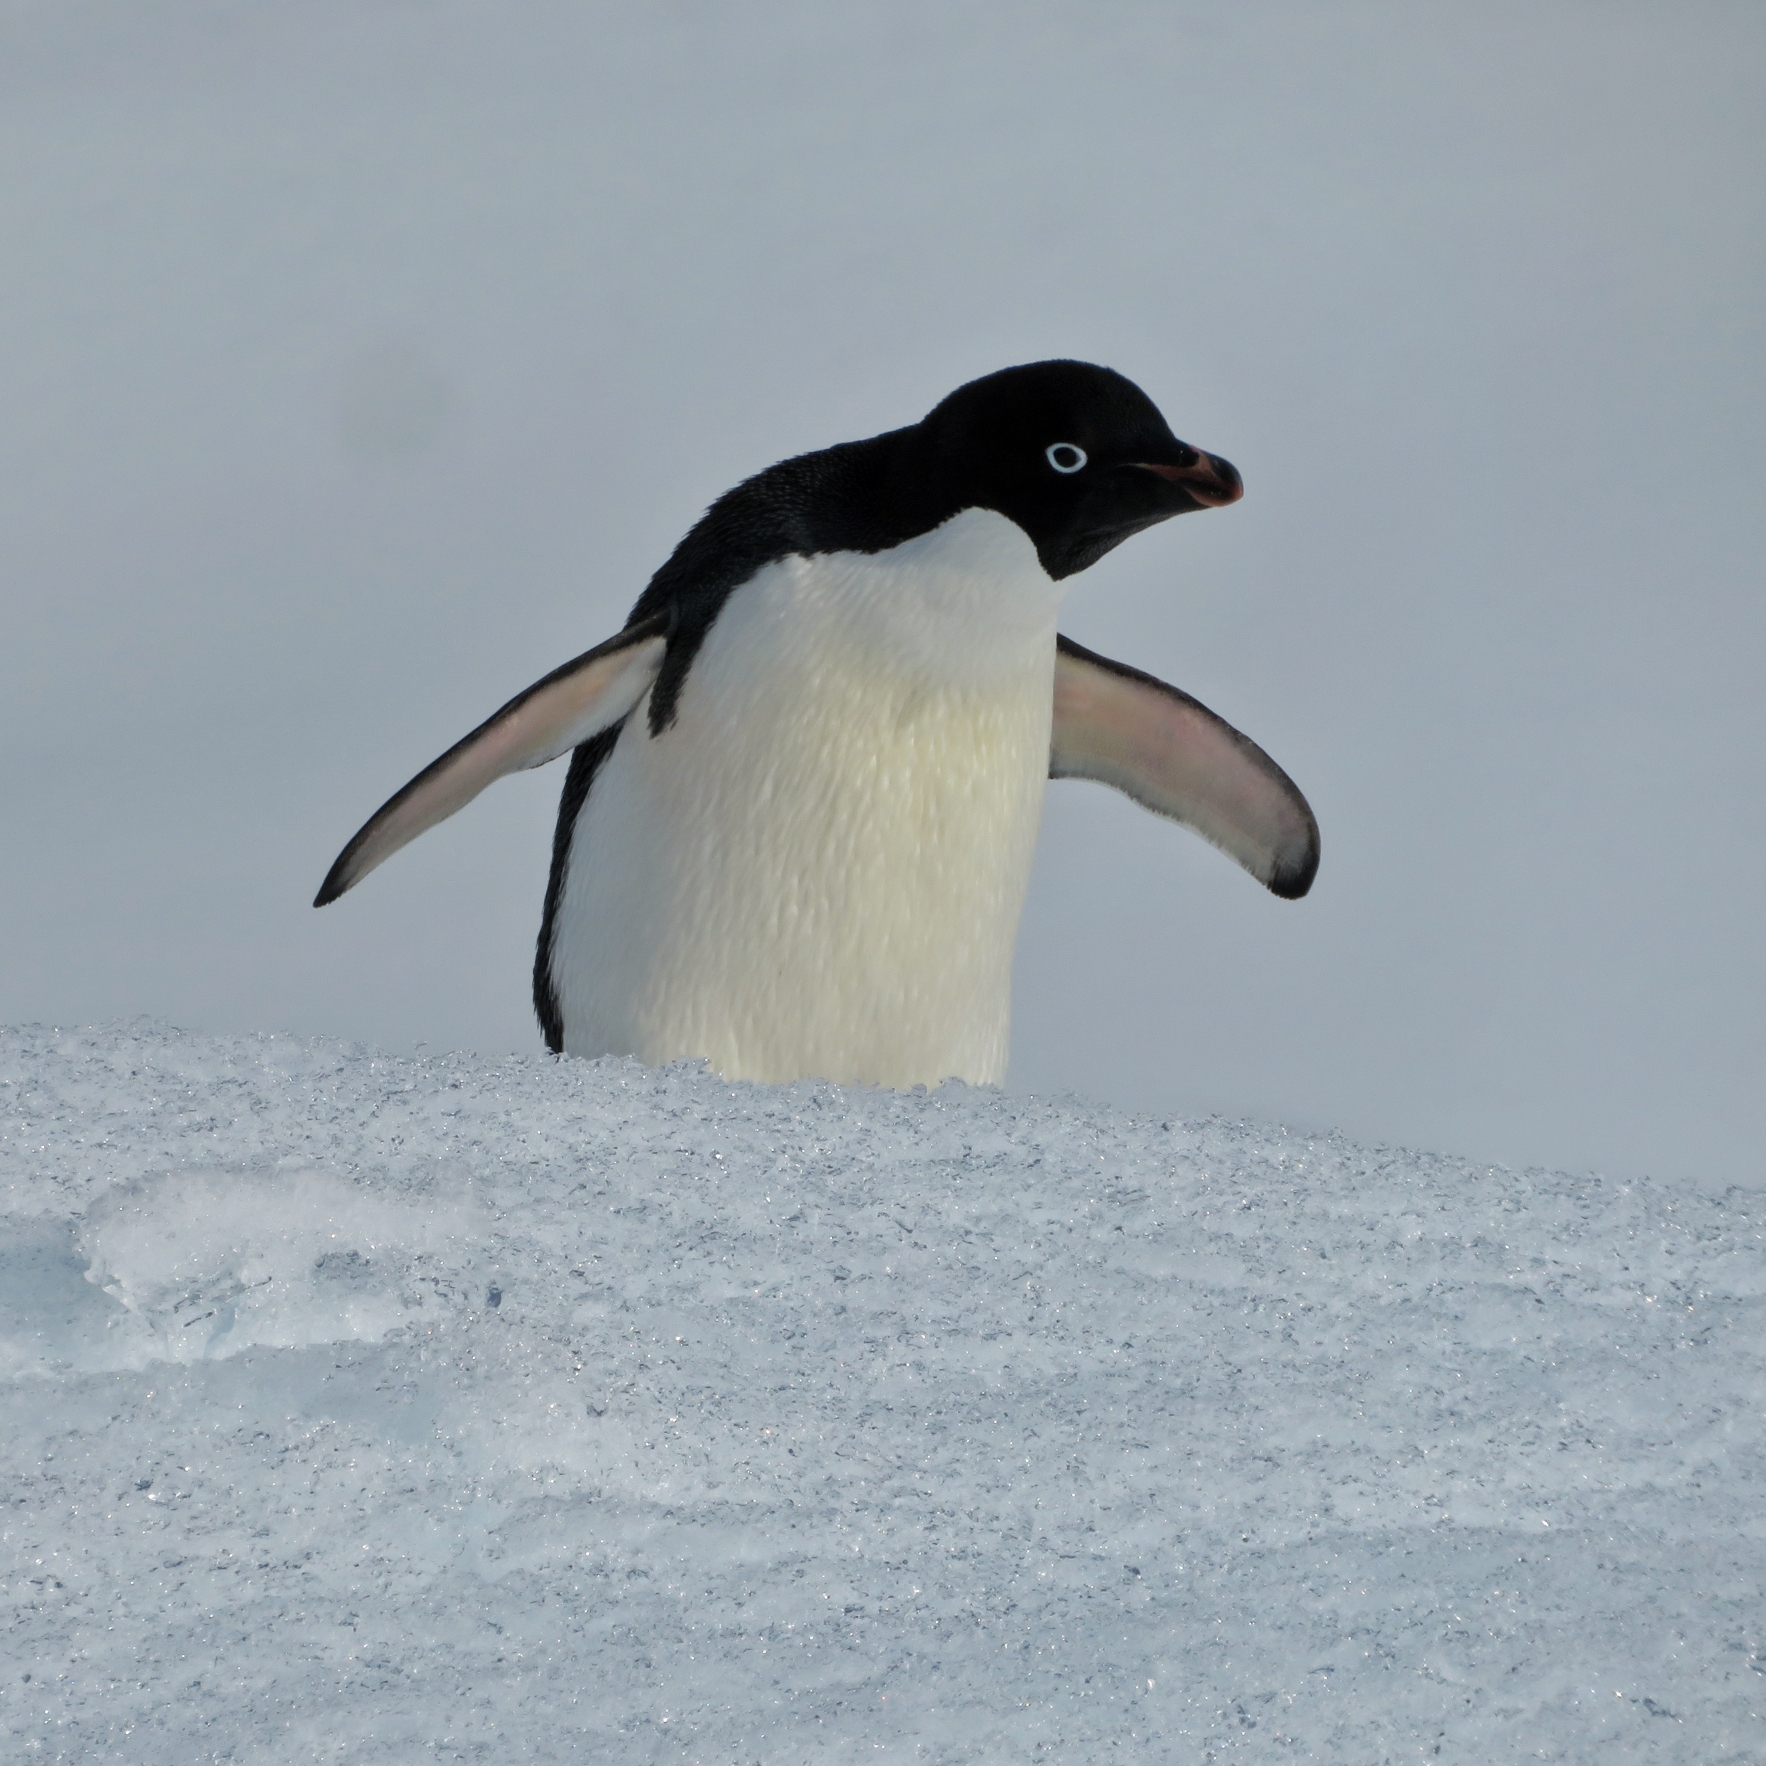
{"points": [[806, 778]]}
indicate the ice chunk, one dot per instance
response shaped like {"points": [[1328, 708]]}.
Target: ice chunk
{"points": [[209, 1263]]}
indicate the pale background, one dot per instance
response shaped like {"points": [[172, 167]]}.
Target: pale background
{"points": [[359, 362]]}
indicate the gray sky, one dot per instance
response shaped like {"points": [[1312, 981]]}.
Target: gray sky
{"points": [[358, 363]]}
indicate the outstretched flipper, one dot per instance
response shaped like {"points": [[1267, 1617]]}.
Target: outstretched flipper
{"points": [[1170, 753], [570, 705]]}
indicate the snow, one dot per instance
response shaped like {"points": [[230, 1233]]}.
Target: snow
{"points": [[375, 1409]]}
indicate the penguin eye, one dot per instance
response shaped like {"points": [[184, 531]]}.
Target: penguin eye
{"points": [[1064, 456]]}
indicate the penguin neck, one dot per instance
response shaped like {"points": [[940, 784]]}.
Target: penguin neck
{"points": [[966, 606]]}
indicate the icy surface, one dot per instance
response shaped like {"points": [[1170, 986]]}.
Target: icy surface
{"points": [[371, 1409]]}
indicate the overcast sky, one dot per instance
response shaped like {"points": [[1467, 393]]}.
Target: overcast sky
{"points": [[359, 362]]}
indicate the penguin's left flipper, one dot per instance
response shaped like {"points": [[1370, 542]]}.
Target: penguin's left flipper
{"points": [[570, 705], [1170, 753]]}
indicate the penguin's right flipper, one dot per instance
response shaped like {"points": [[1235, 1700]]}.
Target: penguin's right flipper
{"points": [[570, 705], [1173, 755]]}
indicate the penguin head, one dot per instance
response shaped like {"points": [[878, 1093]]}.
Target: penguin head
{"points": [[1078, 456]]}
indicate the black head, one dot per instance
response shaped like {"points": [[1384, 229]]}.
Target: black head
{"points": [[1076, 455]]}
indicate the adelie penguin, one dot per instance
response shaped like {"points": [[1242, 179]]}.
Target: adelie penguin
{"points": [[806, 777]]}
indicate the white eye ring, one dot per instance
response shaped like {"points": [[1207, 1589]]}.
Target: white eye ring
{"points": [[1064, 456]]}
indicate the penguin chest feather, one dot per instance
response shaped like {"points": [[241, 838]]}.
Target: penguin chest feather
{"points": [[818, 866]]}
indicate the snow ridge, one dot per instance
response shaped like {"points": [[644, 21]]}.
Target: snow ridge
{"points": [[381, 1409]]}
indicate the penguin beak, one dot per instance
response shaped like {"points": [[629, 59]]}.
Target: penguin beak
{"points": [[1209, 481]]}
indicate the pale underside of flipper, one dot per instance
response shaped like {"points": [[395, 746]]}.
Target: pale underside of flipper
{"points": [[1172, 755], [554, 715]]}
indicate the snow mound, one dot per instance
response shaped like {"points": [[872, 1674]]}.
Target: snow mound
{"points": [[209, 1263], [456, 1409]]}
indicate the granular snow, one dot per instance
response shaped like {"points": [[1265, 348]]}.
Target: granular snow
{"points": [[376, 1409]]}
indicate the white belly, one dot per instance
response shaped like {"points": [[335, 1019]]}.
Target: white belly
{"points": [[818, 869]]}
